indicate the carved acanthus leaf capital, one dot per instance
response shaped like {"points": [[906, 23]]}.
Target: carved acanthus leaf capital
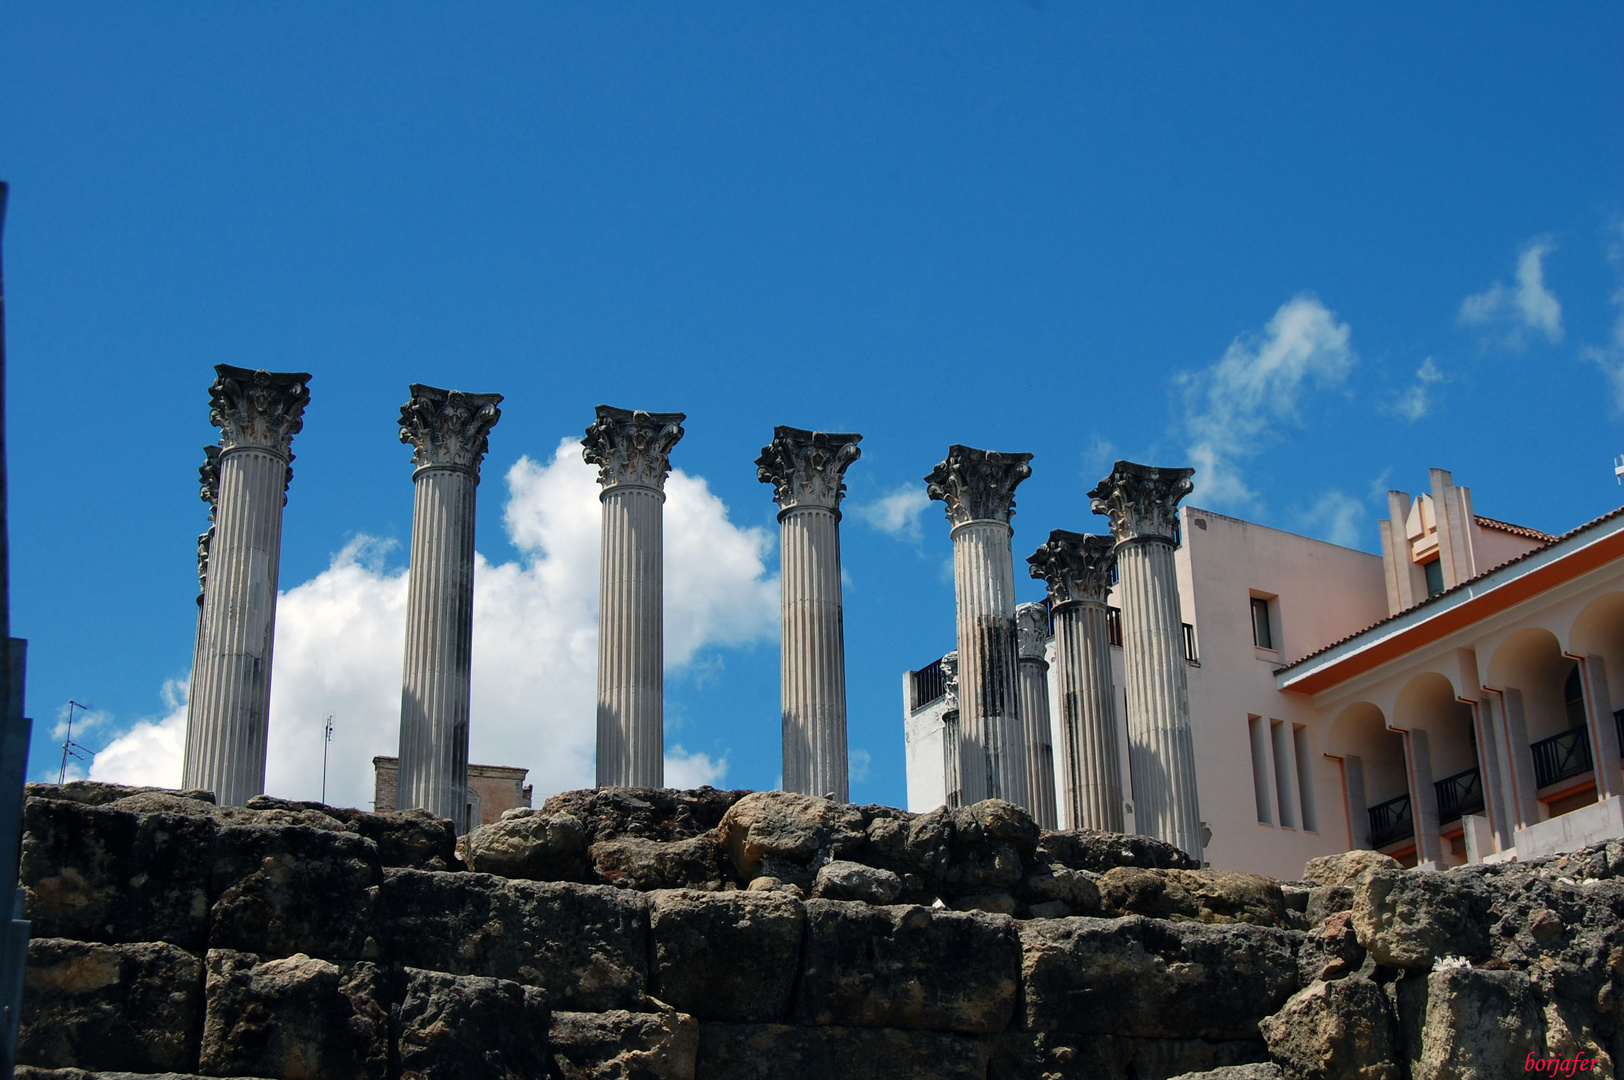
{"points": [[1141, 501], [632, 447], [262, 410], [448, 428], [1077, 567], [807, 468], [978, 485], [1031, 629], [950, 680], [208, 478]]}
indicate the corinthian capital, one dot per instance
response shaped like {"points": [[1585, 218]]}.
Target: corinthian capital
{"points": [[261, 410], [1076, 567], [632, 447], [1142, 501], [208, 478], [978, 485], [806, 468], [1031, 629], [950, 680], [448, 428]]}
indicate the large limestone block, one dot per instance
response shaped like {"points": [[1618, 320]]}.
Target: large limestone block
{"points": [[908, 967], [293, 1018], [411, 838], [587, 945], [620, 1045], [783, 1052], [766, 828], [636, 862], [459, 1027], [29, 1072], [1460, 1023], [281, 890], [729, 956], [1209, 896], [96, 793], [1411, 919], [1154, 979], [1266, 1070], [127, 1006], [846, 880], [1053, 1055], [1341, 1030], [1330, 950], [1348, 868], [661, 814], [1091, 849], [98, 872], [532, 847]]}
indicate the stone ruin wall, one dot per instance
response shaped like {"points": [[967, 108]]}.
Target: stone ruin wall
{"points": [[653, 934]]}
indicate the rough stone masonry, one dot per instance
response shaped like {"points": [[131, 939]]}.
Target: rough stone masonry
{"points": [[654, 934]]}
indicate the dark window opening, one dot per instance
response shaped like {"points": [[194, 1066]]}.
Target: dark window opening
{"points": [[1261, 635], [1573, 699], [1435, 577]]}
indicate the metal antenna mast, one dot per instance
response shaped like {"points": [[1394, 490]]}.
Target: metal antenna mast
{"points": [[327, 741], [69, 747]]}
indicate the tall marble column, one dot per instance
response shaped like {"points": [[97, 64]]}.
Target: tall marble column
{"points": [[806, 470], [953, 781], [1141, 503], [449, 431], [1077, 569], [1031, 636], [258, 413], [978, 487], [632, 451]]}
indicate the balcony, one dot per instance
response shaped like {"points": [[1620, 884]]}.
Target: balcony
{"points": [[929, 683], [1561, 756], [1391, 821], [1459, 794]]}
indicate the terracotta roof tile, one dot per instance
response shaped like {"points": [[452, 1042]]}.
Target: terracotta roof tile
{"points": [[1514, 530]]}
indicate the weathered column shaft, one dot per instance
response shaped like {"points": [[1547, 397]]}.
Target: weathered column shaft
{"points": [[806, 470], [1089, 754], [449, 430], [1141, 502], [631, 640], [229, 700], [1078, 571], [632, 452], [1032, 632]]}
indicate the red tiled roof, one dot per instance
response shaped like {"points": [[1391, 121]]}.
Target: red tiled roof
{"points": [[1450, 592], [1514, 530]]}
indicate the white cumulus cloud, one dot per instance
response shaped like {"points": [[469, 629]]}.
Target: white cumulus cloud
{"points": [[1511, 311], [1610, 357], [1415, 402], [1337, 517], [1247, 398], [340, 640], [896, 514]]}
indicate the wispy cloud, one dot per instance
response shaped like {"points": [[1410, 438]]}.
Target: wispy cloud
{"points": [[1509, 312], [858, 763], [1098, 458], [896, 514], [340, 639], [1415, 402], [1336, 517], [1245, 400], [1610, 357]]}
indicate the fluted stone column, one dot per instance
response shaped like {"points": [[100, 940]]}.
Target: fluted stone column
{"points": [[258, 413], [978, 487], [806, 470], [1077, 569], [953, 780], [1031, 635], [632, 452], [1141, 503], [449, 433]]}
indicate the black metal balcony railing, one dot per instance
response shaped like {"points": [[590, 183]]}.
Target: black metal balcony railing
{"points": [[1561, 756], [1390, 821], [928, 684], [1459, 794], [1113, 626]]}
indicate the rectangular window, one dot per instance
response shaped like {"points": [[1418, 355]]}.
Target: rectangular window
{"points": [[1282, 774], [1305, 778], [1261, 636], [1435, 577], [1260, 768]]}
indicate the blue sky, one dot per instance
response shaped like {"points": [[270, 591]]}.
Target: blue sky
{"points": [[1312, 251]]}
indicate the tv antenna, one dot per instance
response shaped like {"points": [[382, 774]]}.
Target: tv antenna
{"points": [[69, 747], [327, 740]]}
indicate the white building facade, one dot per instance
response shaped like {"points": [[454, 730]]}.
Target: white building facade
{"points": [[1444, 702]]}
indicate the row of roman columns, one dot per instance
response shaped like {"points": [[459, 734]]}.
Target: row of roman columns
{"points": [[1002, 748], [1002, 744]]}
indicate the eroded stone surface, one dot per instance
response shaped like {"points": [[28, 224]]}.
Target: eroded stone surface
{"points": [[844, 880], [1348, 868], [1210, 896], [1052, 1055], [128, 1006], [621, 1045], [1089, 849], [726, 956], [294, 889], [1410, 920], [532, 847], [788, 829], [635, 862], [451, 1027], [784, 1052], [1335, 1030]]}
